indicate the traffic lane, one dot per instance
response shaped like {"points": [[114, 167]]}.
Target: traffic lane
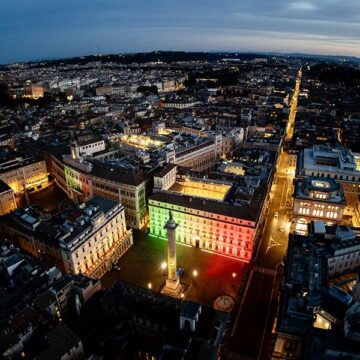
{"points": [[272, 228], [253, 317]]}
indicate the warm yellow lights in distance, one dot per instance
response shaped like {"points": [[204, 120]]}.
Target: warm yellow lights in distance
{"points": [[141, 141], [195, 273], [322, 323]]}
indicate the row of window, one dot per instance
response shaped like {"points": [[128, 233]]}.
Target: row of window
{"points": [[197, 223], [320, 206], [91, 145], [320, 196], [335, 176], [319, 213], [89, 262], [127, 193], [345, 265], [109, 227], [156, 211], [183, 236], [105, 187]]}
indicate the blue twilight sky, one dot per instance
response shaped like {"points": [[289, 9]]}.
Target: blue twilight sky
{"points": [[38, 29]]}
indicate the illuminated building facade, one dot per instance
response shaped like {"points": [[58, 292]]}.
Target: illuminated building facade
{"points": [[205, 220], [332, 162], [81, 179], [7, 199], [34, 91], [200, 156], [101, 240], [317, 199], [165, 178], [21, 172], [316, 273], [85, 239]]}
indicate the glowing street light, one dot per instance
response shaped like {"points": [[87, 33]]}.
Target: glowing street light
{"points": [[149, 285], [163, 265], [195, 273], [233, 275]]}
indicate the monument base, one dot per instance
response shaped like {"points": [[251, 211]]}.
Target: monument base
{"points": [[172, 288], [177, 290]]}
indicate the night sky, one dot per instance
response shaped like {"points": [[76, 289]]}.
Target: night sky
{"points": [[41, 29]]}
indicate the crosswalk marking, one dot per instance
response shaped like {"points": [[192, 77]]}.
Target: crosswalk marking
{"points": [[266, 271], [271, 244]]}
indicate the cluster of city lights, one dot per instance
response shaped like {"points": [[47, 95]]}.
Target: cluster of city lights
{"points": [[141, 141]]}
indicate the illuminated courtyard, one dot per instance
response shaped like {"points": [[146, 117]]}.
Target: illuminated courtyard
{"points": [[141, 141], [210, 275], [207, 190]]}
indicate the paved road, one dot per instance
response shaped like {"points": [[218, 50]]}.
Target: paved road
{"points": [[251, 329], [247, 334], [276, 231]]}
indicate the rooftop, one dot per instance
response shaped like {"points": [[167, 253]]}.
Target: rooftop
{"points": [[319, 189], [165, 170], [328, 158], [61, 340], [66, 227], [118, 174], [250, 212]]}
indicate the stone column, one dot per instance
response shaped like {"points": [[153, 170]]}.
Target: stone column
{"points": [[172, 285], [171, 250]]}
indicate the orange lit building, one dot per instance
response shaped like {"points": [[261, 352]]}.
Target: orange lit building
{"points": [[86, 239], [317, 199], [7, 199], [20, 171], [34, 91], [205, 218]]}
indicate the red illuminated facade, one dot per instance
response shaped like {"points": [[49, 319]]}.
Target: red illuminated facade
{"points": [[212, 226]]}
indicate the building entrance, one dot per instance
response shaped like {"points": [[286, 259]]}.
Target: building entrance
{"points": [[197, 241]]}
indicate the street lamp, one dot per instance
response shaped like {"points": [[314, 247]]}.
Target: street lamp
{"points": [[233, 275], [163, 265], [149, 285], [195, 273]]}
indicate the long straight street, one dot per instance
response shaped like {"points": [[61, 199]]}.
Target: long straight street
{"points": [[251, 331]]}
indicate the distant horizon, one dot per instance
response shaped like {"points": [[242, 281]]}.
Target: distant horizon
{"points": [[255, 52], [45, 29]]}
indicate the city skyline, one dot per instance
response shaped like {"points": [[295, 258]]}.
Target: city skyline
{"points": [[43, 30], [180, 180]]}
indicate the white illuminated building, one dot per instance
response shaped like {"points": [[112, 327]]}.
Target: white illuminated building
{"points": [[317, 199]]}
